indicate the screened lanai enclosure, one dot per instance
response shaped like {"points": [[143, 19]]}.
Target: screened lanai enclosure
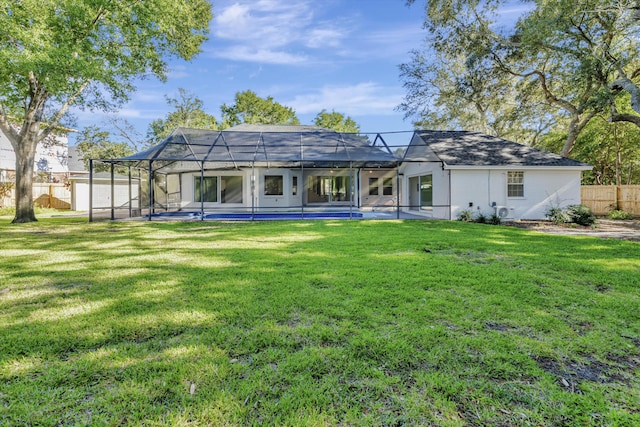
{"points": [[252, 172]]}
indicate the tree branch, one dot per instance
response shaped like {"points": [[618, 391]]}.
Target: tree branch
{"points": [[630, 118], [61, 112]]}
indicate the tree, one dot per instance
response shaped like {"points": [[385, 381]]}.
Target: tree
{"points": [[336, 121], [611, 147], [95, 143], [251, 109], [188, 112], [571, 55], [58, 53]]}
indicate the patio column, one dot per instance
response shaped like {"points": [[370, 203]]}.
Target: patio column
{"points": [[253, 190], [202, 191], [112, 194], [130, 215], [150, 190], [397, 192], [351, 190], [90, 190]]}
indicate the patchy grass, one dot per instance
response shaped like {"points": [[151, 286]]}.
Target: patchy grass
{"points": [[316, 323]]}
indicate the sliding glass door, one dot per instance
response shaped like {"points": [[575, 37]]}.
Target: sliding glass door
{"points": [[329, 189]]}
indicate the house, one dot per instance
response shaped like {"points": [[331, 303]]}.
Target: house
{"points": [[267, 169], [50, 159], [446, 173]]}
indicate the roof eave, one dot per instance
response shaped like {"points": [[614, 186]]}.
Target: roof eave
{"points": [[519, 167]]}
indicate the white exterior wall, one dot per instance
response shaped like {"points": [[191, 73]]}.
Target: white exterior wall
{"points": [[441, 192], [101, 194], [287, 199], [380, 199], [543, 188]]}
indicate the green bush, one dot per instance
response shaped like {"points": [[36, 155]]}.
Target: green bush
{"points": [[481, 218], [557, 215], [465, 215], [580, 214], [495, 219], [619, 214]]}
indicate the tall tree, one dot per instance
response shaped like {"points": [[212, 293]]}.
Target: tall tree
{"points": [[571, 54], [251, 109], [187, 112], [336, 121], [95, 143], [59, 53]]}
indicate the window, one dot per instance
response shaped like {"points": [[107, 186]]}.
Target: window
{"points": [[273, 185], [294, 186], [515, 184], [426, 191], [387, 187], [208, 192], [231, 189], [373, 186]]}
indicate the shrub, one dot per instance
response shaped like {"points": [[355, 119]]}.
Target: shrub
{"points": [[580, 214], [619, 214], [495, 219], [465, 216], [481, 218], [557, 215]]}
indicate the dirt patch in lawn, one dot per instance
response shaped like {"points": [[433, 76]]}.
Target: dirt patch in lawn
{"points": [[605, 228]]}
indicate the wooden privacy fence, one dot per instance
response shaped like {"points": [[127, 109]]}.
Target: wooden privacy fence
{"points": [[57, 196], [602, 199]]}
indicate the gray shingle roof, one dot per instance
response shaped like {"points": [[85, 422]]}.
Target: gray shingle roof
{"points": [[461, 148], [244, 127]]}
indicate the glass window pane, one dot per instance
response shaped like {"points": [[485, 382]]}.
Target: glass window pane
{"points": [[210, 193], [426, 191], [294, 186], [515, 184], [231, 189], [387, 187], [373, 186], [273, 185]]}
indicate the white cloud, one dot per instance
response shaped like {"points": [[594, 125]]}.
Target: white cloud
{"points": [[264, 56], [360, 99], [270, 30]]}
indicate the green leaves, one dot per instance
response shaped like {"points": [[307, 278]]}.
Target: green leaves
{"points": [[251, 109], [336, 121]]}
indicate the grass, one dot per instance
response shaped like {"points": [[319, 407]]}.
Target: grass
{"points": [[318, 323]]}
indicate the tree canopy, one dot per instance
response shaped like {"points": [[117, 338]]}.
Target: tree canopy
{"points": [[58, 53], [251, 109], [571, 59], [95, 143], [188, 111], [336, 121]]}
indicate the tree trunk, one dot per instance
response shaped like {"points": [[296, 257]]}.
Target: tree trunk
{"points": [[25, 159]]}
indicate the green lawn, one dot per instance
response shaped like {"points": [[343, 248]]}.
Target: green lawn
{"points": [[315, 323]]}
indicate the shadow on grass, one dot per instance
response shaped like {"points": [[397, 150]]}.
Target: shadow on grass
{"points": [[353, 322]]}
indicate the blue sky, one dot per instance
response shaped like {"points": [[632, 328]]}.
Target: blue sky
{"points": [[310, 55]]}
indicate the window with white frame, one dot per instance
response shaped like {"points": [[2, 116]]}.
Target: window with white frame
{"points": [[515, 184]]}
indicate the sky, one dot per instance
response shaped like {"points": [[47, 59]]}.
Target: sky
{"points": [[338, 55]]}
